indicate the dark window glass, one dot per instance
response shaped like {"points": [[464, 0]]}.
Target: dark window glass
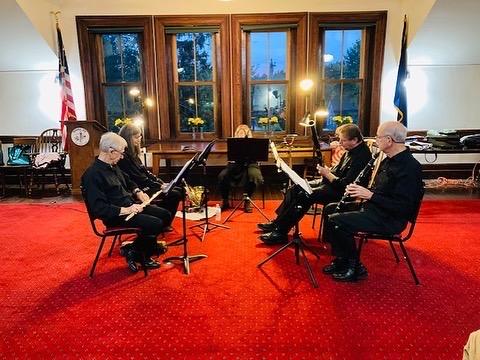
{"points": [[341, 63], [268, 81], [121, 72], [196, 83]]}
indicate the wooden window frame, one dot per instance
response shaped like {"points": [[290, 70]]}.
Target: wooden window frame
{"points": [[374, 42], [169, 126], [297, 64], [87, 28]]}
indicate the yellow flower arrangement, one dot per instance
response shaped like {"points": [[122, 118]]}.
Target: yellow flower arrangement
{"points": [[119, 122], [341, 120], [264, 121], [195, 122]]}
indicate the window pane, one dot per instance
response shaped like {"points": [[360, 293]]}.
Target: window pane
{"points": [[332, 98], [186, 106], [203, 49], [268, 55], [332, 55], [194, 49], [268, 101], [185, 57], [351, 56], [112, 58], [131, 57], [205, 107], [113, 105], [351, 100]]}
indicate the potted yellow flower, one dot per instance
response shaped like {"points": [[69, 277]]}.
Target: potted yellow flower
{"points": [[119, 122], [342, 120], [266, 121], [196, 123]]}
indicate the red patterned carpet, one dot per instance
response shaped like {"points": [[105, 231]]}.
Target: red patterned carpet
{"points": [[227, 308]]}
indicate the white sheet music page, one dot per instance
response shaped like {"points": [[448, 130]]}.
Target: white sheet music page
{"points": [[297, 179], [275, 153]]}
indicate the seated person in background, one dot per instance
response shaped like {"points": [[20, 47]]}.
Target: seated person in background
{"points": [[387, 206], [139, 174], [112, 196], [247, 175], [329, 188]]}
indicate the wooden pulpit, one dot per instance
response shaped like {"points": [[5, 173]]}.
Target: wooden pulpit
{"points": [[83, 138]]}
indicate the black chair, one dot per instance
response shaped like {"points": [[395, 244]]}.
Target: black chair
{"points": [[48, 163], [363, 237], [116, 232]]}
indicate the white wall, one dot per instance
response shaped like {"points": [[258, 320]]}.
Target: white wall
{"points": [[451, 91]]}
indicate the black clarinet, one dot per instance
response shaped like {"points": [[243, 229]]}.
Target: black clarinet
{"points": [[365, 172]]}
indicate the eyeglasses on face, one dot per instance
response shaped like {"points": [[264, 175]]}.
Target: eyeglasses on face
{"points": [[118, 151], [382, 137]]}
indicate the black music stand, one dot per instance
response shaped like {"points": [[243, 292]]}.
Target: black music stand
{"points": [[185, 258], [206, 225], [246, 151], [297, 240]]}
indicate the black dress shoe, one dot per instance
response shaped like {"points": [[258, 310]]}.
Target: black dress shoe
{"points": [[351, 274], [338, 265], [151, 264], [274, 237], [267, 227], [131, 256]]}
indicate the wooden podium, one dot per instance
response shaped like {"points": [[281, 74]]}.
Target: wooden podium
{"points": [[83, 138]]}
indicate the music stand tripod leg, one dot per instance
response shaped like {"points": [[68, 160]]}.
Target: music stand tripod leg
{"points": [[185, 258], [299, 245], [246, 199], [207, 226]]}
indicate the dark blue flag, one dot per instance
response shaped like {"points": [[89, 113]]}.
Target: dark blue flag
{"points": [[400, 99]]}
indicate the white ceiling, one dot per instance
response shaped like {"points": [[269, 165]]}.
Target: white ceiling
{"points": [[449, 36]]}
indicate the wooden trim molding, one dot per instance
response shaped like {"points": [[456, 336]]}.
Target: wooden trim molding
{"points": [[165, 94], [86, 27], [297, 58], [375, 42]]}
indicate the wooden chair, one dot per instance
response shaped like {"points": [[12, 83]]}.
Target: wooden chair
{"points": [[115, 232], [48, 164], [363, 237]]}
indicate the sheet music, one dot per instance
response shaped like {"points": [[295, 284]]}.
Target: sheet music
{"points": [[297, 179], [275, 153]]}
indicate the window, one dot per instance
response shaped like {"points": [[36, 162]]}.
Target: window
{"points": [[346, 60], [271, 59], [121, 72], [267, 80], [116, 55], [195, 80], [193, 75], [342, 66]]}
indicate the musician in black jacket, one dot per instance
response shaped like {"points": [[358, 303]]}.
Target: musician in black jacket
{"points": [[111, 195], [149, 183], [387, 206], [329, 188]]}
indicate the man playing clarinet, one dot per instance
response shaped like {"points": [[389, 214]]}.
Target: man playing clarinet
{"points": [[329, 188], [111, 196], [386, 206]]}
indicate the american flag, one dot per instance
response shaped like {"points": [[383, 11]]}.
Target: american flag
{"points": [[68, 107]]}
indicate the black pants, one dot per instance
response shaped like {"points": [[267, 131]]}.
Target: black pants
{"points": [[151, 221], [297, 202], [247, 176], [340, 228], [169, 202]]}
